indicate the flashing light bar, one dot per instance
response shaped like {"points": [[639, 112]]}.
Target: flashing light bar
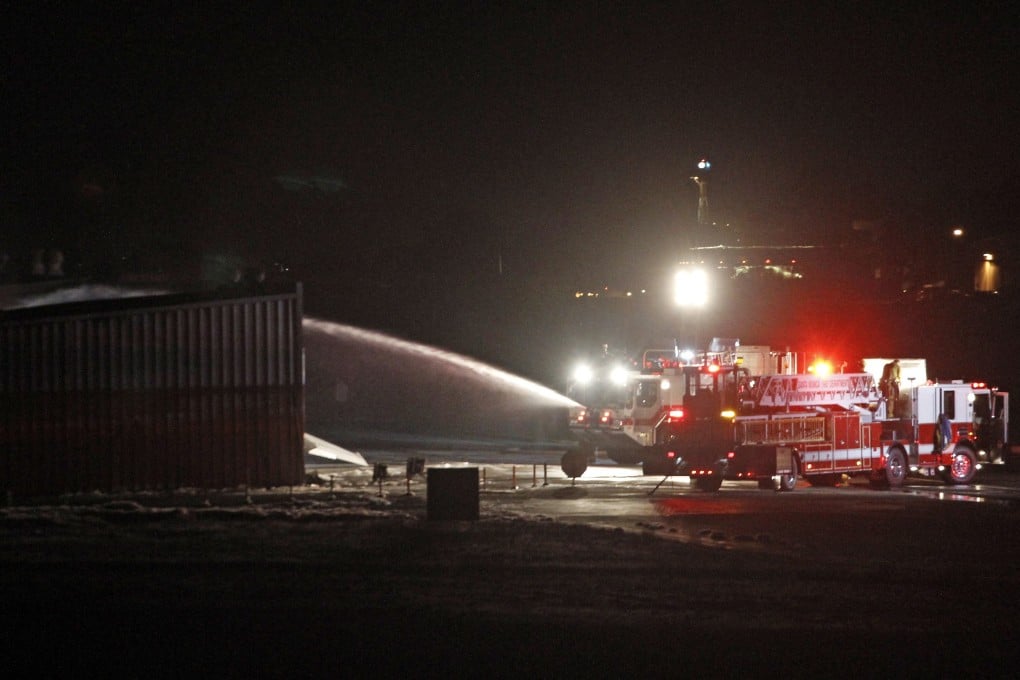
{"points": [[821, 368]]}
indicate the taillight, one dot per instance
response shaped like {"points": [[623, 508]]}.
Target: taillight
{"points": [[606, 417], [676, 414]]}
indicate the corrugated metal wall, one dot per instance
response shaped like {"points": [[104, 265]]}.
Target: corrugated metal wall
{"points": [[152, 393]]}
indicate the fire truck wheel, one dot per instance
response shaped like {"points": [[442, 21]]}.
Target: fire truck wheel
{"points": [[711, 483], [574, 463], [789, 482], [963, 468], [895, 468]]}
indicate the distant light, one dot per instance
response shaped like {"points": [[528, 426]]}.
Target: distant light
{"points": [[989, 257], [703, 164], [691, 288], [957, 231]]}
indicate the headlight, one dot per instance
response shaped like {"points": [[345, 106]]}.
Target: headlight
{"points": [[583, 374]]}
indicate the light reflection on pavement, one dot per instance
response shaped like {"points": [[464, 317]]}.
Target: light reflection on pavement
{"points": [[738, 516]]}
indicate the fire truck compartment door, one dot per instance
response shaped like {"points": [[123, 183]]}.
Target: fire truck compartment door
{"points": [[784, 460]]}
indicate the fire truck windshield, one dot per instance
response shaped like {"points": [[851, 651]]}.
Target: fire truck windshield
{"points": [[646, 393]]}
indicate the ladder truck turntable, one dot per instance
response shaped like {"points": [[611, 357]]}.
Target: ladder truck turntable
{"points": [[746, 414]]}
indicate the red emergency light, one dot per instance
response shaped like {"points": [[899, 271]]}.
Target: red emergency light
{"points": [[978, 385], [676, 414]]}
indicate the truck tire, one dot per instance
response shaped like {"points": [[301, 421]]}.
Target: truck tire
{"points": [[895, 468], [963, 467], [574, 463], [789, 482]]}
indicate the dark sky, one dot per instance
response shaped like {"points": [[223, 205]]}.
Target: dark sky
{"points": [[557, 135]]}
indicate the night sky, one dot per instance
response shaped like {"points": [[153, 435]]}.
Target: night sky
{"points": [[389, 151]]}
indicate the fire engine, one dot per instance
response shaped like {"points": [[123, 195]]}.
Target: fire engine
{"points": [[825, 427], [748, 414], [672, 398]]}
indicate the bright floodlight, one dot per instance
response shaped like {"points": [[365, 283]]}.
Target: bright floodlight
{"points": [[703, 164], [618, 376], [583, 374], [690, 288]]}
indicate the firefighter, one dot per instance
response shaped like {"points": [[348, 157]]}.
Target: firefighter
{"points": [[890, 385]]}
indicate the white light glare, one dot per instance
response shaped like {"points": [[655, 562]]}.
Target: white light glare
{"points": [[691, 288], [618, 376], [583, 374]]}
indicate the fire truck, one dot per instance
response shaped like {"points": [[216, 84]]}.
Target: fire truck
{"points": [[825, 427], [746, 413], [672, 400]]}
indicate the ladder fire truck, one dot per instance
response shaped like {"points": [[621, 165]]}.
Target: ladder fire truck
{"points": [[827, 426], [746, 414]]}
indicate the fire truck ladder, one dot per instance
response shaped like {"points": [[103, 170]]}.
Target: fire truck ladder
{"points": [[784, 391]]}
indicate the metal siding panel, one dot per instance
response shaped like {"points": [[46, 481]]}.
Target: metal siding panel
{"points": [[208, 394]]}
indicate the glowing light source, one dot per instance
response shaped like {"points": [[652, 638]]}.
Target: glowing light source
{"points": [[821, 368], [583, 374], [690, 288]]}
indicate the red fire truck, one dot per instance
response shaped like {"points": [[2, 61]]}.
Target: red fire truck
{"points": [[745, 413], [673, 399], [827, 426]]}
